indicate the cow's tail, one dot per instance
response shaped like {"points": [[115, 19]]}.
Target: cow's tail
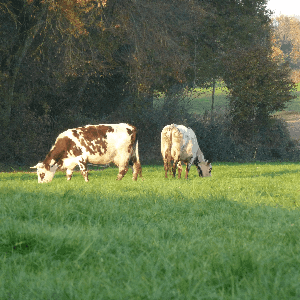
{"points": [[137, 167], [137, 151]]}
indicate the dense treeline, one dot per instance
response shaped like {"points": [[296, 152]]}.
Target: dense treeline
{"points": [[70, 63]]}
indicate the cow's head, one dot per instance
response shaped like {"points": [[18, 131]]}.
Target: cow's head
{"points": [[204, 169], [45, 174]]}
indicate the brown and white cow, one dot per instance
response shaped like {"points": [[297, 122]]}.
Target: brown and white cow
{"points": [[179, 143], [96, 144]]}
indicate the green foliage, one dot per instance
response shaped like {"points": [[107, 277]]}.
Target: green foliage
{"points": [[231, 236], [257, 87]]}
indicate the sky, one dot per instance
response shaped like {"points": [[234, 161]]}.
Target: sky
{"points": [[284, 7]]}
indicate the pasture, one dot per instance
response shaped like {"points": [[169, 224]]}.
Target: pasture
{"points": [[200, 100], [234, 235]]}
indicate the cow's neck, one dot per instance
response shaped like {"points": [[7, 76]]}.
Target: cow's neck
{"points": [[50, 161], [200, 155]]}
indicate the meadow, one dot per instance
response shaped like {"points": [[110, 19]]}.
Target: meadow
{"points": [[234, 235], [200, 100]]}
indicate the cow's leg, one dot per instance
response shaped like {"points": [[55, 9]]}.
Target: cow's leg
{"points": [[188, 166], [174, 167], [179, 169], [122, 171], [83, 169], [187, 171], [137, 170], [166, 166], [69, 173], [169, 166]]}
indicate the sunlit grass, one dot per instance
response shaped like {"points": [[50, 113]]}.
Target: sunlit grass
{"points": [[199, 100], [232, 236]]}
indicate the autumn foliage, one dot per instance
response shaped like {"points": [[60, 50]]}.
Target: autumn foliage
{"points": [[286, 42]]}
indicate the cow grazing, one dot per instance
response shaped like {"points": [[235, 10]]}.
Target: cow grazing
{"points": [[179, 143], [96, 144]]}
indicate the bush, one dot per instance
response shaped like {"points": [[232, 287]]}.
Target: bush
{"points": [[30, 137], [275, 143]]}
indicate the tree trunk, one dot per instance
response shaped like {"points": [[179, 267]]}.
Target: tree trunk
{"points": [[213, 99], [15, 66]]}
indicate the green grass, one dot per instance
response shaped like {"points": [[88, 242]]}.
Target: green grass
{"points": [[232, 236], [201, 100]]}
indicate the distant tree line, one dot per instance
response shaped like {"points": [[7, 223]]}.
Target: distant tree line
{"points": [[286, 32], [67, 63]]}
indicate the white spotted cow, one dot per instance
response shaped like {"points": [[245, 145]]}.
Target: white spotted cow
{"points": [[179, 144], [96, 144]]}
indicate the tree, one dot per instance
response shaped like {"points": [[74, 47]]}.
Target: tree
{"points": [[258, 86], [88, 58], [286, 33], [13, 61]]}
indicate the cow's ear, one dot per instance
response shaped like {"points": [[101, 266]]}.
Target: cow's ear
{"points": [[39, 165]]}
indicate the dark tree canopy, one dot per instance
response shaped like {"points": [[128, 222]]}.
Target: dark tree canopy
{"points": [[64, 61]]}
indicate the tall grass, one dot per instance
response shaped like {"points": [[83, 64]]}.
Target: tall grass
{"points": [[232, 236]]}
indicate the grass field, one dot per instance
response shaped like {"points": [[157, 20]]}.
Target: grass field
{"points": [[200, 100], [232, 236]]}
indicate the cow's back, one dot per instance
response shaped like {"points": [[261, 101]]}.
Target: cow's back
{"points": [[191, 146], [103, 143], [182, 142]]}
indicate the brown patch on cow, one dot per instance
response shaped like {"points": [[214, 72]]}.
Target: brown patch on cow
{"points": [[75, 133], [60, 151], [129, 131], [42, 175], [82, 161], [93, 138], [132, 134]]}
